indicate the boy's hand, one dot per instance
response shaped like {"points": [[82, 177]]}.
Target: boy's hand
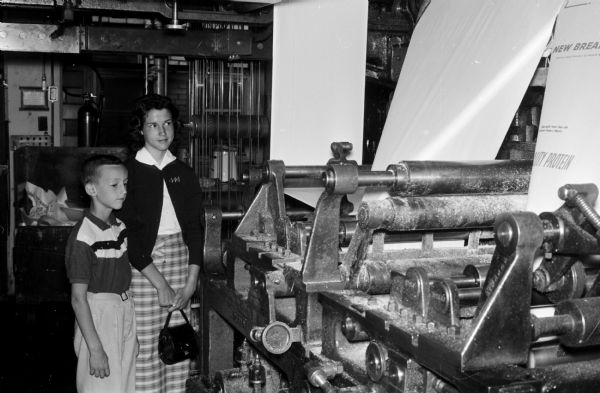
{"points": [[99, 364]]}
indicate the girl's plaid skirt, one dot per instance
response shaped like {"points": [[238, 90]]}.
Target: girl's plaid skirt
{"points": [[170, 256]]}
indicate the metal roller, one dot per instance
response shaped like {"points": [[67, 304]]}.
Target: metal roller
{"points": [[575, 323], [448, 177], [416, 177], [300, 176], [437, 212], [438, 177], [553, 354]]}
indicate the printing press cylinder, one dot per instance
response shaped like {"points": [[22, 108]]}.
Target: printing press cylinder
{"points": [[449, 177], [437, 177], [436, 212]]}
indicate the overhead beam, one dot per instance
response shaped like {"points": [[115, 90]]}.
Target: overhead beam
{"points": [[222, 43], [149, 7], [21, 37]]}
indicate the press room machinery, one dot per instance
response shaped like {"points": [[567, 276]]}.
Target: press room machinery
{"points": [[491, 298]]}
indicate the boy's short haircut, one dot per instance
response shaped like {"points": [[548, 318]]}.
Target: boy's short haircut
{"points": [[91, 165]]}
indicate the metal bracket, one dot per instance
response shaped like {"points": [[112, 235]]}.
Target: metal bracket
{"points": [[320, 266], [212, 261], [443, 303], [506, 296]]}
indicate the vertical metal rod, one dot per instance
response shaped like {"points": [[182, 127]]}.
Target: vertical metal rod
{"points": [[251, 113], [145, 75], [166, 74], [191, 112], [226, 149], [160, 83], [266, 147]]}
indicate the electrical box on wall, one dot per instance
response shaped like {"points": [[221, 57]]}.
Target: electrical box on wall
{"points": [[43, 123], [30, 110], [33, 99]]}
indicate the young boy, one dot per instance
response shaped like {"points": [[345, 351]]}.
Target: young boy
{"points": [[99, 272]]}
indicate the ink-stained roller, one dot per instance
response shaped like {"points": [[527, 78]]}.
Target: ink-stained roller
{"points": [[437, 212]]}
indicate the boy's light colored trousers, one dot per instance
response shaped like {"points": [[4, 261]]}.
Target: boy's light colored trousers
{"points": [[114, 319]]}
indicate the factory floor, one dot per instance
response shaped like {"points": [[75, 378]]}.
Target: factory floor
{"points": [[40, 356]]}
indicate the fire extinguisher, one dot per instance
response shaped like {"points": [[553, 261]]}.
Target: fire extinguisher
{"points": [[87, 122]]}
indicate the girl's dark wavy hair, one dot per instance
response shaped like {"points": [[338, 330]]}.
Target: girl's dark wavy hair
{"points": [[141, 107]]}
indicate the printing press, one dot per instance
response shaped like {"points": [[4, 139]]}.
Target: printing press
{"points": [[489, 298]]}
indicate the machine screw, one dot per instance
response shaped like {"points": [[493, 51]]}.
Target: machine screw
{"points": [[568, 193]]}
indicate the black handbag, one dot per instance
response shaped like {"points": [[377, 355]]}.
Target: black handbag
{"points": [[177, 343]]}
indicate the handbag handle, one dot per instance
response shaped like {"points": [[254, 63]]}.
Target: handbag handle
{"points": [[169, 318]]}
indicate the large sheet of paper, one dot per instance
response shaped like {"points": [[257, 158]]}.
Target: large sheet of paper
{"points": [[319, 61], [468, 65], [568, 137]]}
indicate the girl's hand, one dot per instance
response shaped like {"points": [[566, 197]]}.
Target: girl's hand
{"points": [[166, 295], [182, 297]]}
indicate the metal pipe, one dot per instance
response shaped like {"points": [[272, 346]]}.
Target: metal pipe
{"points": [[437, 212], [293, 212]]}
